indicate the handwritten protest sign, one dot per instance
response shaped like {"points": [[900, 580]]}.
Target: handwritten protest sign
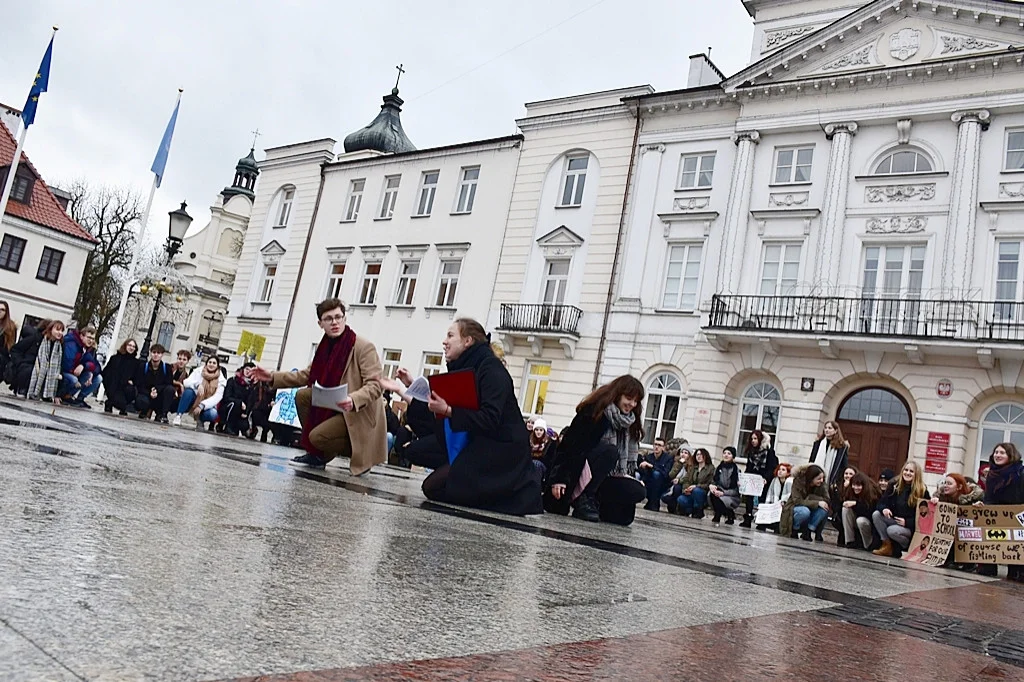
{"points": [[768, 513], [934, 533], [751, 484], [990, 535]]}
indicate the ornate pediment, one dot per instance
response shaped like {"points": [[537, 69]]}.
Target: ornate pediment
{"points": [[561, 241], [272, 252]]}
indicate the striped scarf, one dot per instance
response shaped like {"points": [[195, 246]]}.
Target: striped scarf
{"points": [[46, 373]]}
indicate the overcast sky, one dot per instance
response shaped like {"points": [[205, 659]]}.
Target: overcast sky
{"points": [[304, 70]]}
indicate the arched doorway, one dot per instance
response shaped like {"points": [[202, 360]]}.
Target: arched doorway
{"points": [[876, 421]]}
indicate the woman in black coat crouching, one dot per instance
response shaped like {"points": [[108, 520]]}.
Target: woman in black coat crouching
{"points": [[595, 463], [494, 470], [119, 378]]}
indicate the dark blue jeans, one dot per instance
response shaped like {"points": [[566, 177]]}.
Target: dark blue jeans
{"points": [[656, 483], [694, 502], [812, 519]]}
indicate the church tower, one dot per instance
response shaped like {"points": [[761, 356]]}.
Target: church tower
{"points": [[245, 178], [384, 134]]}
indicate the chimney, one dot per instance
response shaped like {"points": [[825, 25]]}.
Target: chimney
{"points": [[703, 71], [63, 198]]}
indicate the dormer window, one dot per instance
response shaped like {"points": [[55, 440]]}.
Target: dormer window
{"points": [[904, 162], [22, 189]]}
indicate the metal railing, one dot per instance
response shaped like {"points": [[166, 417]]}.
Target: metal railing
{"points": [[541, 318], [876, 316]]}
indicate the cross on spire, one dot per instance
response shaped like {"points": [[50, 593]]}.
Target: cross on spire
{"points": [[255, 134], [400, 72]]}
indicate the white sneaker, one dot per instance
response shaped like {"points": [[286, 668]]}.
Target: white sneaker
{"points": [[177, 420]]}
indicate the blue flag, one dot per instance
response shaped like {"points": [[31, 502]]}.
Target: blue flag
{"points": [[160, 162], [456, 441], [39, 86]]}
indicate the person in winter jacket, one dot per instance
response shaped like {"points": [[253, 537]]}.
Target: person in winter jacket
{"points": [[807, 507], [779, 490], [153, 383], [23, 357], [896, 514], [80, 368], [725, 489], [956, 489], [180, 371], [761, 460], [694, 486], [261, 402], [831, 452], [119, 378], [653, 469], [8, 337], [201, 391], [234, 406], [683, 462], [1004, 484], [859, 501], [46, 371]]}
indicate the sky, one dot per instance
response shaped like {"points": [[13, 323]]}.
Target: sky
{"points": [[305, 69]]}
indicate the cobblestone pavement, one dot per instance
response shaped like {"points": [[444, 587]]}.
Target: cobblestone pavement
{"points": [[131, 550]]}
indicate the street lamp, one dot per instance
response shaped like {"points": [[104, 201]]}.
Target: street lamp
{"points": [[179, 224]]}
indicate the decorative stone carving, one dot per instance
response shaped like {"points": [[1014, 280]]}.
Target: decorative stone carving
{"points": [[899, 193], [855, 58], [833, 129], [659, 148], [904, 44], [955, 43], [788, 199], [980, 116], [897, 225], [903, 127], [746, 136], [691, 203], [1011, 190], [780, 38]]}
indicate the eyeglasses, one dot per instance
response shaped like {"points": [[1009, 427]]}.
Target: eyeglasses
{"points": [[332, 318]]}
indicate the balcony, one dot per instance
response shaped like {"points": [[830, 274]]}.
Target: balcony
{"points": [[537, 322]]}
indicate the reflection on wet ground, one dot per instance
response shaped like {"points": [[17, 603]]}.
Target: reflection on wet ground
{"points": [[130, 550]]}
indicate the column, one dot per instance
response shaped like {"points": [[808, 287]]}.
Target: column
{"points": [[958, 252], [645, 195], [737, 217], [833, 209]]}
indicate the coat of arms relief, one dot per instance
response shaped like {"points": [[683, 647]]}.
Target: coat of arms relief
{"points": [[904, 44]]}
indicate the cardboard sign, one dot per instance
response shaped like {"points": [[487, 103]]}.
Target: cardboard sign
{"points": [[990, 535], [751, 484], [768, 513], [934, 533]]}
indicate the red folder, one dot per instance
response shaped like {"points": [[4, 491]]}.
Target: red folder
{"points": [[458, 389]]}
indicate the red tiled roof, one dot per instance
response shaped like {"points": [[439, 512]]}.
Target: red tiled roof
{"points": [[43, 209]]}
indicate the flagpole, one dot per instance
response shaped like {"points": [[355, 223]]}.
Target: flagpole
{"points": [[13, 171]]}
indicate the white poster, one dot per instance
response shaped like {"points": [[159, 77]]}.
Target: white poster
{"points": [[751, 484], [768, 514]]}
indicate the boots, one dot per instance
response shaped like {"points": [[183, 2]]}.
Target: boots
{"points": [[747, 521], [730, 519], [805, 534], [698, 513], [885, 549], [585, 509]]}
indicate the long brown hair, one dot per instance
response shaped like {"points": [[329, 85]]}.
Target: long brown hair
{"points": [[123, 350], [50, 324], [9, 329], [837, 441], [869, 492], [626, 385]]}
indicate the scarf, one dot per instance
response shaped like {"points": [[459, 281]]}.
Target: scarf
{"points": [[46, 373], [828, 458], [537, 447], [1002, 477], [757, 459], [727, 476], [329, 365], [619, 436], [207, 388]]}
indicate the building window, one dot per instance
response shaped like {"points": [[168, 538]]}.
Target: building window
{"points": [[467, 190], [448, 284], [49, 265], [211, 327], [392, 362], [355, 199], [556, 281], [760, 409], [285, 212], [575, 179], [368, 292], [408, 273], [903, 162], [1015, 150], [875, 406], [893, 277], [428, 188], [780, 269], [1001, 424], [267, 288], [696, 171], [165, 336], [11, 250], [661, 415], [793, 165], [389, 197], [535, 387], [334, 280], [1009, 283], [21, 190], [682, 277], [433, 363]]}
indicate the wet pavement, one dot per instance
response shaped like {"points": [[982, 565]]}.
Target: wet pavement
{"points": [[131, 550]]}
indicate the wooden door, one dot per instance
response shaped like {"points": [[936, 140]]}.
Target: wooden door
{"points": [[874, 447]]}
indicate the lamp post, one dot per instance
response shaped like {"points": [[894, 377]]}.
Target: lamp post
{"points": [[179, 224]]}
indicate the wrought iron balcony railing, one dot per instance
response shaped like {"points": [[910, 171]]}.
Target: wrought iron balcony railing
{"points": [[541, 318], [875, 316]]}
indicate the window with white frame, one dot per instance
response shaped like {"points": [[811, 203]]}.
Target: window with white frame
{"points": [[793, 165], [284, 212], [556, 280], [371, 277], [535, 387], [780, 269], [682, 277], [1001, 424], [903, 162], [448, 283], [165, 336], [760, 410], [355, 199], [696, 170], [574, 180], [428, 189], [1014, 150], [408, 273], [433, 363], [893, 278], [1009, 283], [335, 277], [392, 362], [389, 197], [467, 190], [664, 395], [267, 286]]}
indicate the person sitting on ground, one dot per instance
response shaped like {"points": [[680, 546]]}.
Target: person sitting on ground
{"points": [[761, 460], [201, 391], [884, 480], [683, 458], [262, 397], [595, 463], [359, 431], [180, 371], [23, 357], [542, 447], [779, 490], [956, 489], [119, 378], [233, 410], [835, 504], [859, 501], [694, 485], [419, 421], [896, 514], [153, 383], [725, 489], [79, 367], [8, 337], [1004, 485], [807, 507], [284, 417], [394, 422], [491, 468], [653, 469], [46, 372]]}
